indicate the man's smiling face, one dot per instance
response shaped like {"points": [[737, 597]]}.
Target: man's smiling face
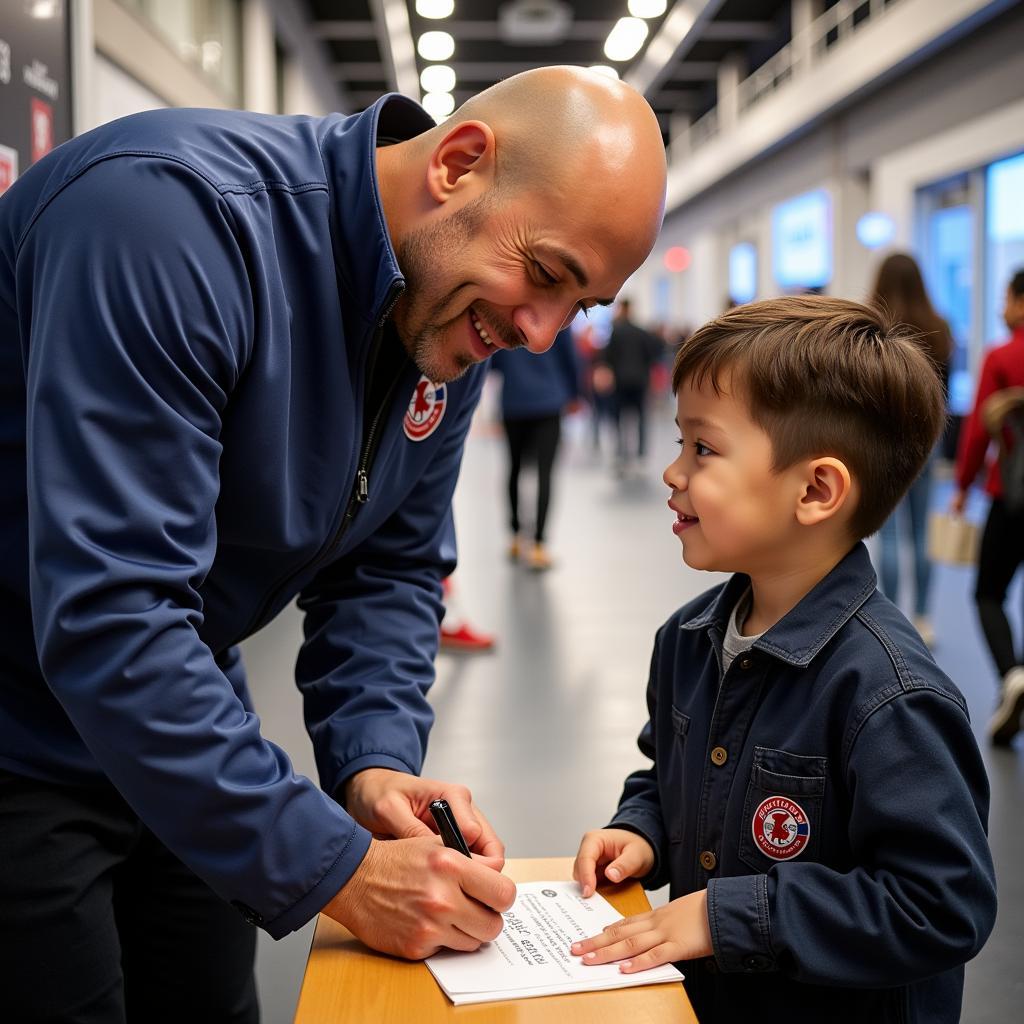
{"points": [[507, 270]]}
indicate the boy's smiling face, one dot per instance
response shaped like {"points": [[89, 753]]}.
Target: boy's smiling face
{"points": [[733, 513]]}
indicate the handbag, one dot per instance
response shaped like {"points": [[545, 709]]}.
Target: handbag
{"points": [[953, 539]]}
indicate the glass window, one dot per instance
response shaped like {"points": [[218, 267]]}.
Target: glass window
{"points": [[946, 246], [949, 274], [1004, 238], [204, 32]]}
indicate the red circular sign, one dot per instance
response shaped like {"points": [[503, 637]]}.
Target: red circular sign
{"points": [[426, 409], [781, 829]]}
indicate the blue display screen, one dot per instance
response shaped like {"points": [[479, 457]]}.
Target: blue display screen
{"points": [[802, 241], [743, 272]]}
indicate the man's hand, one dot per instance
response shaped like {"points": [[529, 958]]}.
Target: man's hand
{"points": [[623, 854], [395, 805], [411, 897], [957, 503], [677, 931]]}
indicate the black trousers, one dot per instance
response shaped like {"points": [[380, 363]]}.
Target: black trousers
{"points": [[1002, 551], [99, 922], [536, 437], [631, 403]]}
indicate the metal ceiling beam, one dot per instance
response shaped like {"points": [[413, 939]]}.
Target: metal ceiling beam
{"points": [[490, 31], [683, 26], [491, 71], [394, 39], [480, 31], [739, 31], [676, 99]]}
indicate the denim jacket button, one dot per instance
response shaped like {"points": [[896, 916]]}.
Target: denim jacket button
{"points": [[756, 963], [708, 860], [746, 661], [719, 756]]}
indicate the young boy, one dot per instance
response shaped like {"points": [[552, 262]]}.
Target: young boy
{"points": [[817, 799]]}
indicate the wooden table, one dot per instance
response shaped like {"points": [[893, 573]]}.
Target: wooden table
{"points": [[348, 983]]}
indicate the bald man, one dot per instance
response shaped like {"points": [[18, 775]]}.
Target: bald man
{"points": [[239, 358]]}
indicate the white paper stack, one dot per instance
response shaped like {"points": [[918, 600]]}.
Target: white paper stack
{"points": [[531, 956]]}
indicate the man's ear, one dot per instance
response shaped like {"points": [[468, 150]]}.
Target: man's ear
{"points": [[827, 487], [466, 151]]}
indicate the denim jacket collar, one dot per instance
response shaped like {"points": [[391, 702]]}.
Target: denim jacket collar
{"points": [[803, 631]]}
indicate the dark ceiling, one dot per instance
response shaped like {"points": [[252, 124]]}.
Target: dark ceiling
{"points": [[751, 29]]}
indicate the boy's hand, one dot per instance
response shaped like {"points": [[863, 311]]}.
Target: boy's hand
{"points": [[957, 503], [625, 854], [677, 931]]}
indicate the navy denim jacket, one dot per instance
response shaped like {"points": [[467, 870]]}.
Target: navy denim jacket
{"points": [[829, 793]]}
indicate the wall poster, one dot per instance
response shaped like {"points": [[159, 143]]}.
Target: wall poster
{"points": [[35, 83]]}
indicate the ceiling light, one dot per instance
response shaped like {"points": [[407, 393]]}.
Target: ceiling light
{"points": [[605, 69], [437, 78], [647, 8], [436, 8], [440, 45], [624, 40], [438, 104]]}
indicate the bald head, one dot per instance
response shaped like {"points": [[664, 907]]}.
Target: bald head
{"points": [[560, 120], [535, 200]]}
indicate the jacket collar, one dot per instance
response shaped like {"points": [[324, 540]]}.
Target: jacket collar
{"points": [[368, 273], [803, 631]]}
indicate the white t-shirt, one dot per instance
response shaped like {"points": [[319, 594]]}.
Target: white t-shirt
{"points": [[735, 642]]}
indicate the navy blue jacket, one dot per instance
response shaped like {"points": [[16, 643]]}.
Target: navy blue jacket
{"points": [[532, 387], [829, 793], [189, 301]]}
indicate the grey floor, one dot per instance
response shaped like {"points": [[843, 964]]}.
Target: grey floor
{"points": [[543, 729]]}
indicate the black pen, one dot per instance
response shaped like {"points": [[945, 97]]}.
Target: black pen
{"points": [[451, 835]]}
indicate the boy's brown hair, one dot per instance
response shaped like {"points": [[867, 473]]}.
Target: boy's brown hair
{"points": [[823, 376]]}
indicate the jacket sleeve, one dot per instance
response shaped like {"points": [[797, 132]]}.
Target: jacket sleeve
{"points": [[919, 897], [371, 626], [140, 326], [974, 440], [639, 807]]}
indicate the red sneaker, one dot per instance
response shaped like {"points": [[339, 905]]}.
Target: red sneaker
{"points": [[465, 638]]}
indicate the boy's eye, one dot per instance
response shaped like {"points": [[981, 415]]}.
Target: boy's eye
{"points": [[699, 448]]}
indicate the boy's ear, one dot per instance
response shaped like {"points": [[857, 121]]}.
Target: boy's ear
{"points": [[468, 149], [827, 487]]}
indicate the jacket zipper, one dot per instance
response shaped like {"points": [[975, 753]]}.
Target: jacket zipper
{"points": [[361, 488]]}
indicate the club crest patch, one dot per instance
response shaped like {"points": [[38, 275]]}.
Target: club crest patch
{"points": [[781, 829], [426, 409]]}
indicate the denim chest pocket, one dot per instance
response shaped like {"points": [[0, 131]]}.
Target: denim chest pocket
{"points": [[782, 810], [672, 784]]}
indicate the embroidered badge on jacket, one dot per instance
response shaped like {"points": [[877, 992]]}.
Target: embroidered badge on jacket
{"points": [[781, 829], [426, 409]]}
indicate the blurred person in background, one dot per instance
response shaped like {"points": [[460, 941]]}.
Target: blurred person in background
{"points": [[1002, 542], [899, 290], [598, 383], [534, 395], [630, 354], [457, 632]]}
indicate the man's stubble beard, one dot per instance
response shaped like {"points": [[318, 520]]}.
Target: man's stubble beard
{"points": [[421, 250]]}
